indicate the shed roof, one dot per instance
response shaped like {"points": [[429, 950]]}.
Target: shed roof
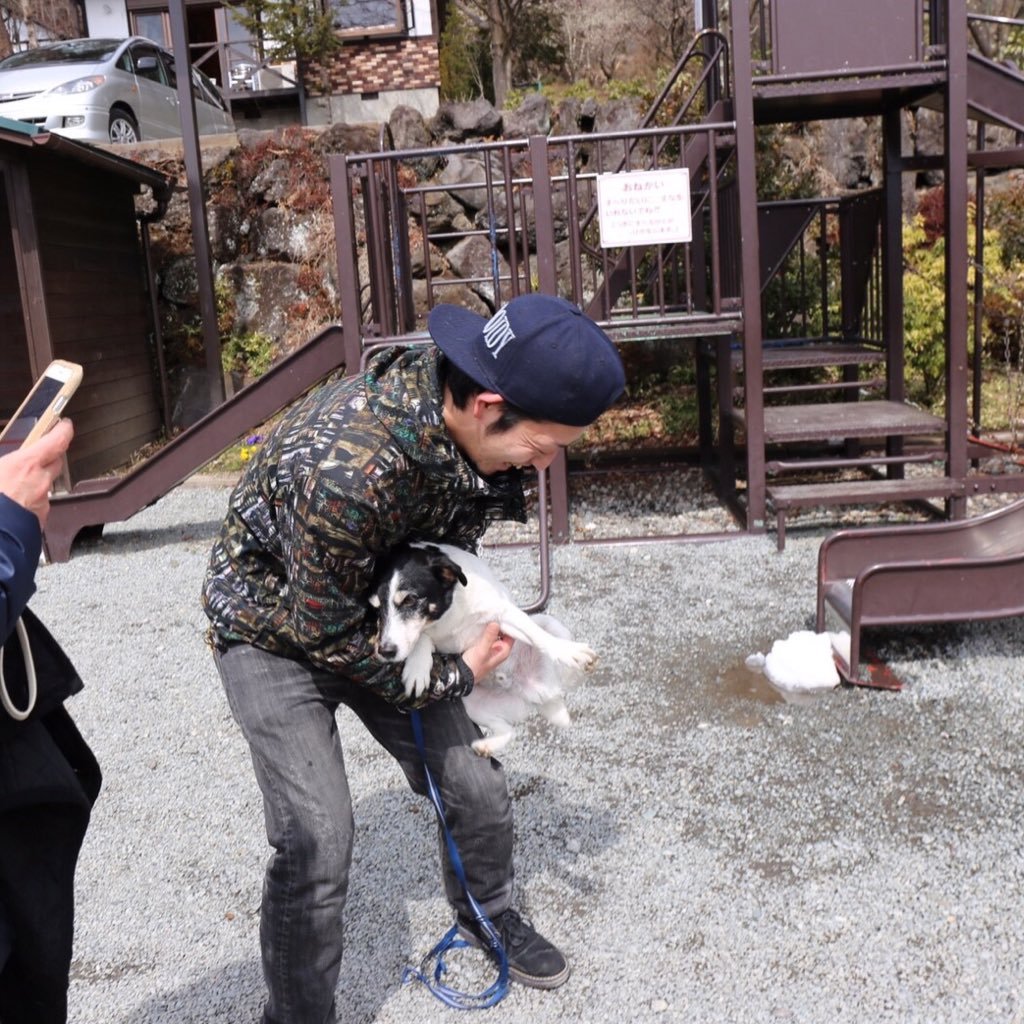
{"points": [[32, 138]]}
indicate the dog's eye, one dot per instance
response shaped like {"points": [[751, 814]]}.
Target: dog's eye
{"points": [[409, 601]]}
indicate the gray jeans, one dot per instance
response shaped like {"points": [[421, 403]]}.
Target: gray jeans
{"points": [[286, 712]]}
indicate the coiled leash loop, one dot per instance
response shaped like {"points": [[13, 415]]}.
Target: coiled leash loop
{"points": [[432, 977]]}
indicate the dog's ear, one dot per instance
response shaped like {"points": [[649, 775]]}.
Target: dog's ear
{"points": [[446, 571]]}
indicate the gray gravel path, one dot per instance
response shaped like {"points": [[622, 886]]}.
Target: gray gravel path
{"points": [[702, 850]]}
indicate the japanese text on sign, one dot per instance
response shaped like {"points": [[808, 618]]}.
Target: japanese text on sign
{"points": [[644, 207]]}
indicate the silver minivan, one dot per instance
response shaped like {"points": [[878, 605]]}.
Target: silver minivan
{"points": [[105, 90]]}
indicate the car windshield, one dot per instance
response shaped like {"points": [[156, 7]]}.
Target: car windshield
{"points": [[71, 51]]}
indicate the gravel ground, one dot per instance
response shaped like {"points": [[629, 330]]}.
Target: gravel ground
{"points": [[703, 850]]}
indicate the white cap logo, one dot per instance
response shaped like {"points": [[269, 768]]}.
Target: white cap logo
{"points": [[498, 332]]}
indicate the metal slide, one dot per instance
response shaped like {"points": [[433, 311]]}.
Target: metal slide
{"points": [[932, 572], [114, 499]]}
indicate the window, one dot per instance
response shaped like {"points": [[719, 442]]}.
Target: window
{"points": [[170, 70], [205, 91], [368, 17], [147, 63], [154, 25]]}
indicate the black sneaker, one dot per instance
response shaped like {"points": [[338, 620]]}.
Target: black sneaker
{"points": [[532, 960]]}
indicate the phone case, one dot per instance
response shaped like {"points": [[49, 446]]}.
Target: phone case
{"points": [[43, 405]]}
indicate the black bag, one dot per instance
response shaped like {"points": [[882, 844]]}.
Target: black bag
{"points": [[49, 780]]}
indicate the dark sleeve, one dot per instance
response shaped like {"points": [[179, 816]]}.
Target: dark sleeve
{"points": [[334, 541], [21, 544]]}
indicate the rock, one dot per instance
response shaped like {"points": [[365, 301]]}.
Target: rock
{"points": [[441, 210], [532, 117], [276, 234], [178, 283], [409, 131], [462, 173], [450, 290], [474, 258], [588, 114], [192, 396], [417, 260], [265, 293], [458, 122], [224, 223], [618, 116], [566, 120], [348, 138], [272, 184]]}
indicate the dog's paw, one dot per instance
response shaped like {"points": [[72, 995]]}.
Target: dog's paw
{"points": [[488, 746], [576, 655], [416, 672]]}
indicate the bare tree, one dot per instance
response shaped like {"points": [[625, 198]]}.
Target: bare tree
{"points": [[668, 26], [29, 21], [993, 37], [514, 28], [597, 34]]}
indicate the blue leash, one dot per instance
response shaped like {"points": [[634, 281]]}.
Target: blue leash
{"points": [[432, 977]]}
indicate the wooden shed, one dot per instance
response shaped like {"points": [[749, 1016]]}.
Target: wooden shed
{"points": [[77, 286]]}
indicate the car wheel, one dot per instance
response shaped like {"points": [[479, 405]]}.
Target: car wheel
{"points": [[123, 127]]}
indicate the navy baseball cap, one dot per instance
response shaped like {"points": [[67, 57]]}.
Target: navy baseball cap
{"points": [[539, 352]]}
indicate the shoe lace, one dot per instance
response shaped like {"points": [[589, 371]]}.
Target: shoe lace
{"points": [[514, 929]]}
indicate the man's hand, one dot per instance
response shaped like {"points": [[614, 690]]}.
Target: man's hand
{"points": [[488, 652], [27, 475]]}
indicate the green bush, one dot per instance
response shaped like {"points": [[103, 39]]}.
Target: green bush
{"points": [[924, 327], [250, 353], [464, 59]]}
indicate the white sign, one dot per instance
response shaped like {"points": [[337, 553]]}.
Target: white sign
{"points": [[644, 207]]}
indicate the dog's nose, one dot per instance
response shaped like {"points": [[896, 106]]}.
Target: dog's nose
{"points": [[387, 651]]}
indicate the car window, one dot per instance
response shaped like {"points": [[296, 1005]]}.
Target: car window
{"points": [[148, 64], [169, 69], [205, 90], [70, 51]]}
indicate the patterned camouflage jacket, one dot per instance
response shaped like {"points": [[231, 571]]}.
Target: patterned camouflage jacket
{"points": [[353, 469]]}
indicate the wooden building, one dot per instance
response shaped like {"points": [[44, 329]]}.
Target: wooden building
{"points": [[76, 287]]}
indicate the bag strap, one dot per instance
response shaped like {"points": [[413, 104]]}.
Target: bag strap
{"points": [[18, 714]]}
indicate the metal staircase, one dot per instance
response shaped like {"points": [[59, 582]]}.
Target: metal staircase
{"points": [[847, 439]]}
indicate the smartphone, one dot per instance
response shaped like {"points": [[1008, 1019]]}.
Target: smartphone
{"points": [[43, 406]]}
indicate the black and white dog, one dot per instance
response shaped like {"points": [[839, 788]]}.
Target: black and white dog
{"points": [[435, 597]]}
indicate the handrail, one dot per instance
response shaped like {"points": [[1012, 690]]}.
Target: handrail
{"points": [[715, 88]]}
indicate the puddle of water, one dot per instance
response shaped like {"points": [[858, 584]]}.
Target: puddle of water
{"points": [[737, 694], [740, 682]]}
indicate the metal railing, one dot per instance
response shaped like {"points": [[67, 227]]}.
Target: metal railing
{"points": [[821, 268], [243, 73], [516, 216], [524, 218]]}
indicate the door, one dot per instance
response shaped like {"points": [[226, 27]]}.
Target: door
{"points": [[158, 101]]}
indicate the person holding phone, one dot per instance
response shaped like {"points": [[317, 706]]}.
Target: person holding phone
{"points": [[49, 778]]}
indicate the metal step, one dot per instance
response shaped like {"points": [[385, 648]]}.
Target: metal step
{"points": [[823, 421], [801, 356], [785, 497]]}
